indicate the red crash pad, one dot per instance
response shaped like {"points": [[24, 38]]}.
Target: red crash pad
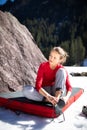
{"points": [[37, 107]]}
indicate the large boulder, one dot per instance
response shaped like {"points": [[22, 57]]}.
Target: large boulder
{"points": [[20, 57]]}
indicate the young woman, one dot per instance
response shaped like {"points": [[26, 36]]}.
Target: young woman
{"points": [[52, 81]]}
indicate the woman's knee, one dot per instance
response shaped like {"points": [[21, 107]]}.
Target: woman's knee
{"points": [[27, 90]]}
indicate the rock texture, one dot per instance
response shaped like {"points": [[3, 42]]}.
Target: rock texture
{"points": [[20, 57]]}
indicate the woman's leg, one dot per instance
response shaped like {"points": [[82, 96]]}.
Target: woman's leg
{"points": [[60, 81], [31, 93]]}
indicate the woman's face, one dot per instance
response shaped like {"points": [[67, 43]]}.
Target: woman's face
{"points": [[54, 58]]}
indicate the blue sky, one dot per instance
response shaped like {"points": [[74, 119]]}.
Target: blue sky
{"points": [[2, 2]]}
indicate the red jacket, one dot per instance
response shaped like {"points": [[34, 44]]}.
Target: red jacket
{"points": [[46, 76]]}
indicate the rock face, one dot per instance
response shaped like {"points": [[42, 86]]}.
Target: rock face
{"points": [[20, 57]]}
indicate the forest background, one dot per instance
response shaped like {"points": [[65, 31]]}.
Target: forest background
{"points": [[54, 23]]}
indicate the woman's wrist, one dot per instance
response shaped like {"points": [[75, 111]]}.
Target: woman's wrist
{"points": [[48, 96]]}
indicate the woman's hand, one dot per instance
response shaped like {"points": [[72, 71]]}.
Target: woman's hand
{"points": [[52, 99], [65, 99]]}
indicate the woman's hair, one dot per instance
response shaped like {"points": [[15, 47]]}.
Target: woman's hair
{"points": [[62, 52]]}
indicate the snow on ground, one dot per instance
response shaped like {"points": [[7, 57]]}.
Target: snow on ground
{"points": [[74, 119]]}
